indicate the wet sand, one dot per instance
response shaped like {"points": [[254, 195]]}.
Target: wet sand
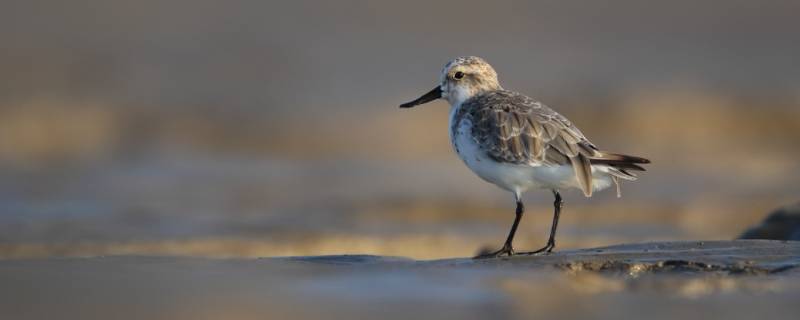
{"points": [[661, 280]]}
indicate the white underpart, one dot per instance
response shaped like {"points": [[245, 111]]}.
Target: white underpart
{"points": [[455, 94], [517, 178]]}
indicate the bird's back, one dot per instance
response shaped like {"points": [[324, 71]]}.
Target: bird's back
{"points": [[512, 128]]}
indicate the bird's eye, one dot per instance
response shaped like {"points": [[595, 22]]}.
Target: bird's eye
{"points": [[458, 75]]}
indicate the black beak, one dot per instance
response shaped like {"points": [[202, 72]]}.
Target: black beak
{"points": [[434, 94]]}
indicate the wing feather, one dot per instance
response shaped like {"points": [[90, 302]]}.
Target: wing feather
{"points": [[583, 171], [513, 128]]}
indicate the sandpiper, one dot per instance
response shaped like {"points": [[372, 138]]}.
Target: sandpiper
{"points": [[518, 143]]}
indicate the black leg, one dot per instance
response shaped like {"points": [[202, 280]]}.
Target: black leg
{"points": [[507, 249], [551, 242]]}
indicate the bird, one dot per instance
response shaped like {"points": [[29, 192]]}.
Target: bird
{"points": [[517, 143]]}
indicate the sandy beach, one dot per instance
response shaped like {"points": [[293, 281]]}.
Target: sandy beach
{"points": [[659, 280]]}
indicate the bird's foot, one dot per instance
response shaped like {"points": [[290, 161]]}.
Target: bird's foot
{"points": [[544, 250], [507, 250]]}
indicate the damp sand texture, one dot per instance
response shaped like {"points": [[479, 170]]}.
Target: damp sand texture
{"points": [[741, 279]]}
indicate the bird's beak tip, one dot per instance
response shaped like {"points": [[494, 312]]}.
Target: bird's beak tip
{"points": [[434, 94]]}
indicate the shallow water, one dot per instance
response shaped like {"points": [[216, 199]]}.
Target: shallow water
{"points": [[238, 207]]}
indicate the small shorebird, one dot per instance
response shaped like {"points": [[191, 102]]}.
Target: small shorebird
{"points": [[518, 143]]}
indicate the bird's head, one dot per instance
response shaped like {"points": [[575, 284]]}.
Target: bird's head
{"points": [[461, 79]]}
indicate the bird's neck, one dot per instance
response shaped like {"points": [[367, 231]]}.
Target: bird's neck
{"points": [[457, 95]]}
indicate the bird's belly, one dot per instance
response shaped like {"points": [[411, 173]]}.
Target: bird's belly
{"points": [[512, 177]]}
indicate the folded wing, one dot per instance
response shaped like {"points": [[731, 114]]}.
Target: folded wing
{"points": [[514, 128]]}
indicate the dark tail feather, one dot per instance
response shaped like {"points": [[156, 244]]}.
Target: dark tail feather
{"points": [[619, 160], [620, 165]]}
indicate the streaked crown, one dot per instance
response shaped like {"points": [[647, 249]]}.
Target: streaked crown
{"points": [[465, 77]]}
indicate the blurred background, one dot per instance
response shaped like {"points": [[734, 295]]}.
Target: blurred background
{"points": [[259, 128]]}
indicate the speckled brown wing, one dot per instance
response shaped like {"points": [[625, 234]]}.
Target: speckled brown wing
{"points": [[513, 128]]}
